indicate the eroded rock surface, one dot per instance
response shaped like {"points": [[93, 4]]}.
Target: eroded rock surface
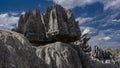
{"points": [[32, 26], [57, 24], [59, 55], [96, 64], [17, 52], [56, 28], [61, 24], [88, 62]]}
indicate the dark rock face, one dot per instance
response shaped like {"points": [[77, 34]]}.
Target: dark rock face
{"points": [[32, 26], [57, 24], [61, 24], [17, 52], [59, 55]]}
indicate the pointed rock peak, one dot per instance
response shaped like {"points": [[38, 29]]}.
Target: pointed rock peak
{"points": [[36, 11], [55, 6], [57, 24], [28, 12]]}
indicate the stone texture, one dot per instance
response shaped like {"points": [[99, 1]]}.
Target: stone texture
{"points": [[96, 64], [17, 52], [59, 55], [31, 24], [101, 54], [57, 24], [88, 62], [61, 24], [83, 43], [56, 28]]}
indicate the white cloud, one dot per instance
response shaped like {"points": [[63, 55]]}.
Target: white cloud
{"points": [[74, 3], [107, 38], [13, 13], [113, 4], [116, 20], [103, 40], [83, 20], [7, 21]]}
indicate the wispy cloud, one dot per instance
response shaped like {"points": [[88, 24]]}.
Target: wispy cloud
{"points": [[74, 3], [112, 4], [116, 20], [103, 39], [83, 20], [107, 38], [7, 21]]}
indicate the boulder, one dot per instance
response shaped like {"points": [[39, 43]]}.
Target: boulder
{"points": [[61, 24], [17, 52], [59, 55]]}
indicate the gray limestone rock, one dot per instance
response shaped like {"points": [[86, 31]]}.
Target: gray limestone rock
{"points": [[59, 55], [96, 64], [57, 24], [101, 54], [88, 62], [17, 52], [61, 24], [31, 24]]}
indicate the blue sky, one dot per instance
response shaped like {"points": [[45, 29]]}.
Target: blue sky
{"points": [[101, 18]]}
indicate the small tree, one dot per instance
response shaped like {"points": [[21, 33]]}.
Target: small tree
{"points": [[113, 53]]}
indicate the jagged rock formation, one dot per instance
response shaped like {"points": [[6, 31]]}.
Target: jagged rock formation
{"points": [[61, 24], [101, 54], [32, 26], [56, 28], [17, 52], [96, 64], [83, 43], [57, 24]]}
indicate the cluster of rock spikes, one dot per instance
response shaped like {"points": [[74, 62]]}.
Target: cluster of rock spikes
{"points": [[56, 24], [57, 31]]}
